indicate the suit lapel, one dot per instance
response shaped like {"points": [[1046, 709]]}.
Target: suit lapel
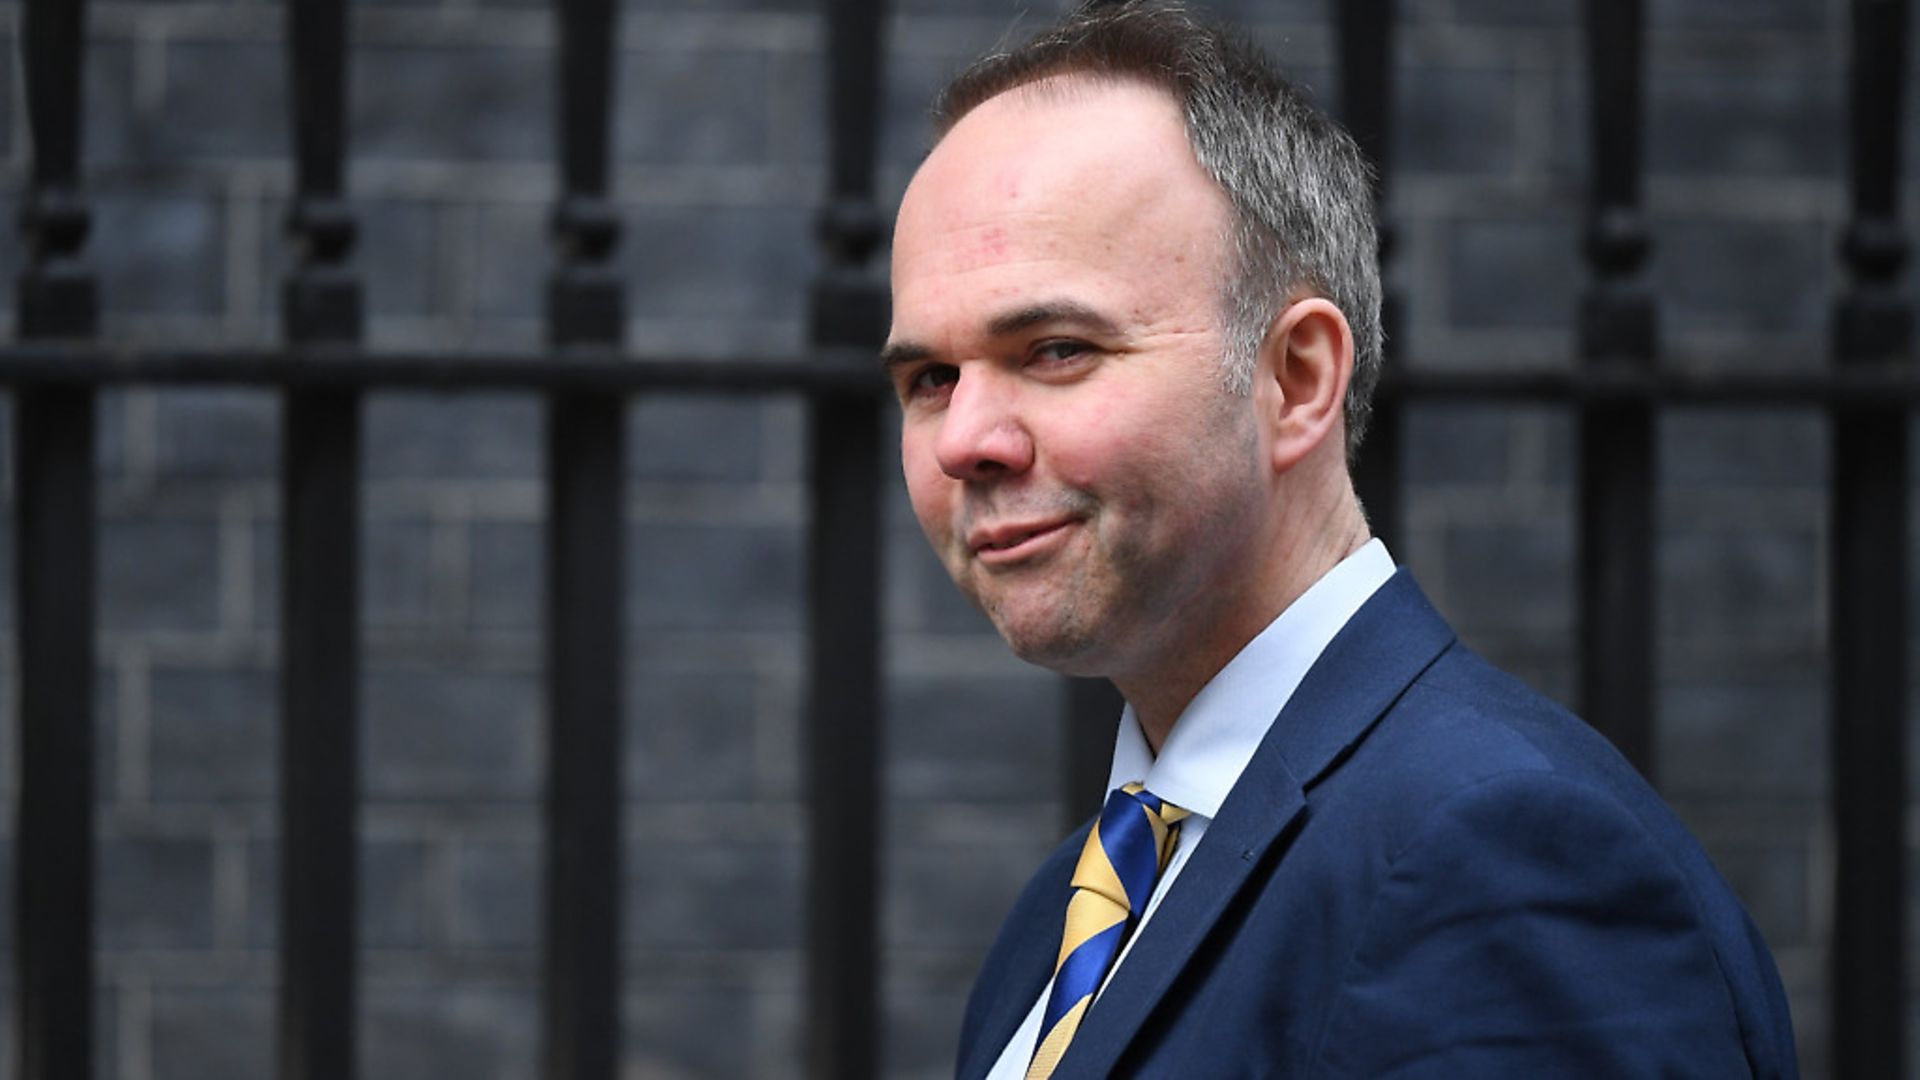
{"points": [[1218, 868], [1394, 636]]}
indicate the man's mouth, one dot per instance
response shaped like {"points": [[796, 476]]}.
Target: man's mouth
{"points": [[1016, 541], [1010, 543]]}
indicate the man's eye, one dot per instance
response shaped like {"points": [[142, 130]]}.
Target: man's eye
{"points": [[1055, 352], [931, 379]]}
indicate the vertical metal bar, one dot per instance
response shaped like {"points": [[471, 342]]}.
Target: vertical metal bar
{"points": [[319, 553], [1616, 572], [843, 751], [1093, 707], [1617, 332], [581, 1035], [54, 569], [1366, 106], [1868, 740], [1377, 474], [53, 861], [319, 712], [848, 308], [1873, 327], [852, 228], [585, 488]]}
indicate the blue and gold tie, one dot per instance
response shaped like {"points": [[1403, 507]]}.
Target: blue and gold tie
{"points": [[1125, 853]]}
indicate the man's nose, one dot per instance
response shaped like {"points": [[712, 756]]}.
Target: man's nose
{"points": [[982, 435]]}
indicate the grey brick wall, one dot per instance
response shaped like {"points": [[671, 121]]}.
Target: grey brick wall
{"points": [[719, 161]]}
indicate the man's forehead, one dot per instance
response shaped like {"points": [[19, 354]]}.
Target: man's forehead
{"points": [[1041, 124], [1058, 152], [1091, 193]]}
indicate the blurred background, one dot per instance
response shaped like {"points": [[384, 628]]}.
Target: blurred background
{"points": [[719, 166]]}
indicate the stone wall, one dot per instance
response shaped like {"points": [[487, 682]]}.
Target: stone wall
{"points": [[719, 163]]}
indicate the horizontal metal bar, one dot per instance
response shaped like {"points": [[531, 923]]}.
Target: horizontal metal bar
{"points": [[834, 371], [837, 371], [1673, 387]]}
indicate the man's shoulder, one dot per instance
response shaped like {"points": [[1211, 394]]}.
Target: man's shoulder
{"points": [[1476, 809], [1465, 734], [1463, 721]]}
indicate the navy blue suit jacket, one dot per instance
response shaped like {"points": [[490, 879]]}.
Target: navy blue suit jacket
{"points": [[1427, 870]]}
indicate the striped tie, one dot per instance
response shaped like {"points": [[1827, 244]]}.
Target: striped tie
{"points": [[1125, 853]]}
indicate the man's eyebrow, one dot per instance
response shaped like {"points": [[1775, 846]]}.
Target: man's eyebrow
{"points": [[1051, 311], [903, 352], [1012, 322]]}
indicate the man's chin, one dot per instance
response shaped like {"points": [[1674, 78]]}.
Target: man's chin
{"points": [[1060, 649]]}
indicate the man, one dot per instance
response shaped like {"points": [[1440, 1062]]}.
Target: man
{"points": [[1135, 328]]}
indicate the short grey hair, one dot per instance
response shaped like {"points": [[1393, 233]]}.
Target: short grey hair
{"points": [[1300, 189]]}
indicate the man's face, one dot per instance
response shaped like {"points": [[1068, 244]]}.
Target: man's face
{"points": [[1068, 445]]}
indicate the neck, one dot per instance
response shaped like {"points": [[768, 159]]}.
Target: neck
{"points": [[1161, 692]]}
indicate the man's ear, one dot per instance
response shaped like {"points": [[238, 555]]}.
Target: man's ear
{"points": [[1304, 368]]}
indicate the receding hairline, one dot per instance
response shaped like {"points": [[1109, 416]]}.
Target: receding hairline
{"points": [[1065, 83]]}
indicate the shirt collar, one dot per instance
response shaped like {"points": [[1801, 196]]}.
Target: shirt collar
{"points": [[1220, 729]]}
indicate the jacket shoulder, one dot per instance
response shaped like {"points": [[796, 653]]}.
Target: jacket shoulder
{"points": [[1539, 826]]}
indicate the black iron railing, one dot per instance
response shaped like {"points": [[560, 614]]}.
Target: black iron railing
{"points": [[1617, 391]]}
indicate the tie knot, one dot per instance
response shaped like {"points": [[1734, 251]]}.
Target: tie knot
{"points": [[1129, 847], [1154, 804], [1126, 851]]}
